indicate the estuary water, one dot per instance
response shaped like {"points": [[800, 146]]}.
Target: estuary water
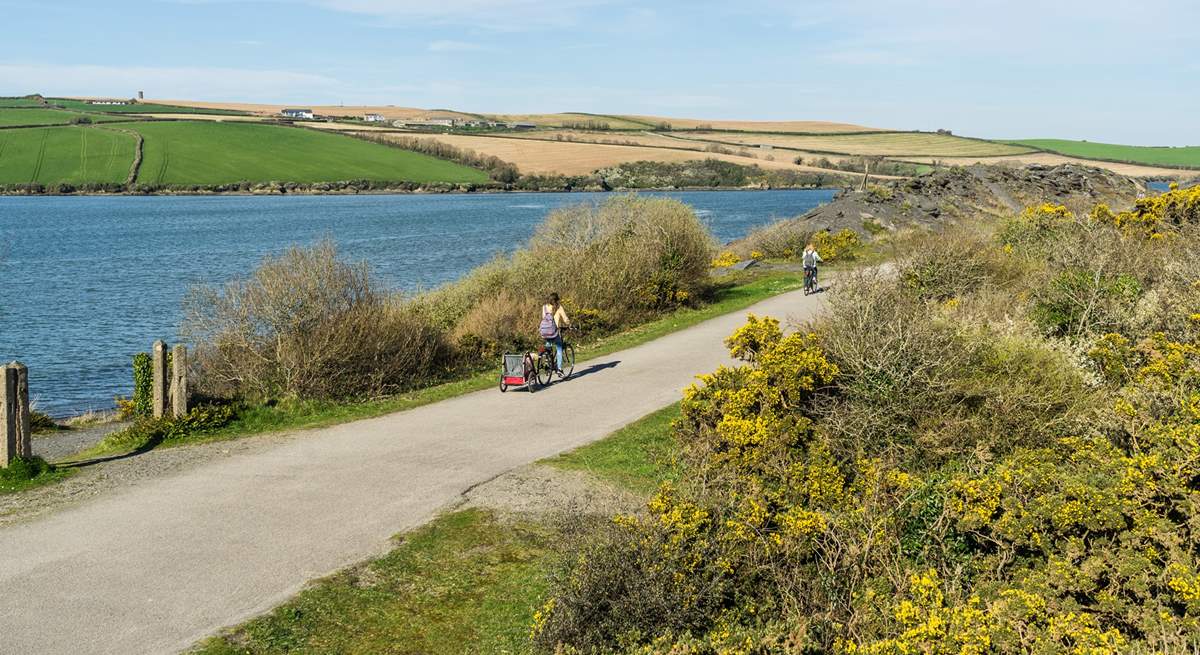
{"points": [[86, 282]]}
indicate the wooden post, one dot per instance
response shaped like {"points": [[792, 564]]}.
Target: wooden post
{"points": [[179, 386], [23, 418], [8, 415], [159, 385]]}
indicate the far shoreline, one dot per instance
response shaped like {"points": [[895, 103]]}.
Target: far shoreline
{"points": [[402, 192]]}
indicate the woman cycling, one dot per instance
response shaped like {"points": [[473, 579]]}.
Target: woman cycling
{"points": [[554, 320]]}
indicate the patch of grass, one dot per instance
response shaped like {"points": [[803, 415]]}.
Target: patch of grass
{"points": [[20, 102], [193, 152], [29, 472], [137, 108], [30, 117], [466, 583], [1182, 157], [737, 294], [636, 457], [75, 155]]}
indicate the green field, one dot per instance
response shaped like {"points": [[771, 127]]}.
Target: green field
{"points": [[74, 155], [29, 117], [20, 102], [1183, 157], [138, 108], [222, 153]]}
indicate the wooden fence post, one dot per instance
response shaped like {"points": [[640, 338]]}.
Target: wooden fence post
{"points": [[159, 388], [8, 415], [179, 386], [23, 418]]}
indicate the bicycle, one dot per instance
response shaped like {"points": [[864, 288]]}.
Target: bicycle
{"points": [[810, 280], [547, 364]]}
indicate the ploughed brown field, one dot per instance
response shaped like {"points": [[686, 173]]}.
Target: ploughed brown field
{"points": [[574, 158]]}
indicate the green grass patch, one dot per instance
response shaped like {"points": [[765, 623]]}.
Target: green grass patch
{"points": [[74, 154], [737, 294], [193, 152], [138, 108], [33, 117], [466, 583], [636, 457], [29, 472], [1180, 157], [20, 102]]}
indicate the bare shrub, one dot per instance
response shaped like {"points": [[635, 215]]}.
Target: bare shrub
{"points": [[953, 264], [307, 324], [627, 256], [914, 381]]}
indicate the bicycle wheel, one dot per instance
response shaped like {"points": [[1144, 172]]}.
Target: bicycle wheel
{"points": [[545, 367], [568, 365]]}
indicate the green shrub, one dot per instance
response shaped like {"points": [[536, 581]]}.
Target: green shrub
{"points": [[27, 472], [1079, 302], [42, 422], [149, 431]]}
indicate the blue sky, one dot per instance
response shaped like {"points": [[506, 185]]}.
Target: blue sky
{"points": [[1104, 71]]}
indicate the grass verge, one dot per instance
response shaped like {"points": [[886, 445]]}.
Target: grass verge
{"points": [[304, 414], [466, 583], [636, 457], [29, 472], [469, 582]]}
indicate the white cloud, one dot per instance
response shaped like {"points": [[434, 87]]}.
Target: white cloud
{"points": [[165, 82]]}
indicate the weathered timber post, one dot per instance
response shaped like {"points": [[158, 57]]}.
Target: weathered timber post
{"points": [[8, 415], [179, 386], [23, 417], [159, 387]]}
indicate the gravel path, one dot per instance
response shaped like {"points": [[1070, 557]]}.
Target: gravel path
{"points": [[54, 446], [224, 531]]}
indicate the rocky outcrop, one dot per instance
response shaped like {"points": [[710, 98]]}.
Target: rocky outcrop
{"points": [[950, 195]]}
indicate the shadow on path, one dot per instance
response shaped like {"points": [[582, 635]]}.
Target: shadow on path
{"points": [[594, 368], [140, 450]]}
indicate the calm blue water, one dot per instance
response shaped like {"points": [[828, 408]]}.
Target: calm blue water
{"points": [[85, 282]]}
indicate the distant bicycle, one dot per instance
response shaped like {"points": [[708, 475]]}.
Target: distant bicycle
{"points": [[547, 366], [810, 280]]}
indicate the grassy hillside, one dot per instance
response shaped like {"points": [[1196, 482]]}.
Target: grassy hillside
{"points": [[19, 102], [892, 144], [64, 154], [138, 108], [220, 153], [1186, 156], [23, 117]]}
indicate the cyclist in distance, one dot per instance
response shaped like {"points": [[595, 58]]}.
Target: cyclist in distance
{"points": [[810, 260], [554, 321]]}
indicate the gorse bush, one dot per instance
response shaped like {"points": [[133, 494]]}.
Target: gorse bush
{"points": [[924, 471], [787, 239]]}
